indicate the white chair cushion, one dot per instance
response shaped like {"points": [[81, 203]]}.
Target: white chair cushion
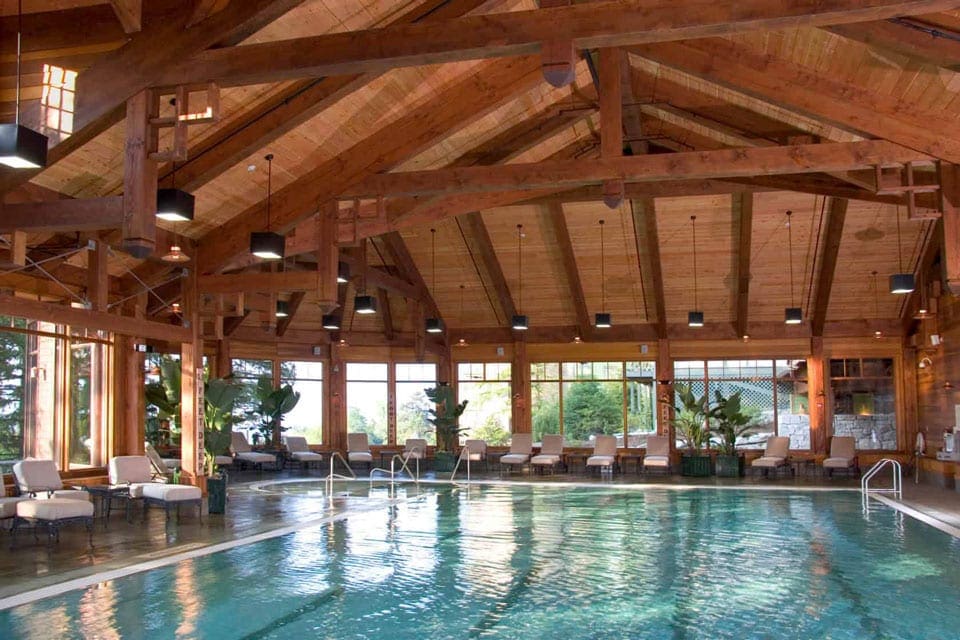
{"points": [[656, 461], [68, 494], [54, 509], [415, 455], [306, 456], [360, 456], [514, 458], [600, 461], [257, 457], [475, 457], [296, 444], [37, 475], [837, 463], [8, 506], [545, 458], [124, 469], [136, 489], [171, 492], [768, 462], [222, 460]]}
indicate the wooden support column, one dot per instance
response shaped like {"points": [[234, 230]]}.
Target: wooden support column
{"points": [[335, 424], [665, 393], [191, 388], [221, 364], [558, 57], [818, 399], [327, 257], [611, 119], [391, 404], [950, 190], [98, 280], [130, 404], [18, 247], [140, 176], [907, 421], [520, 389]]}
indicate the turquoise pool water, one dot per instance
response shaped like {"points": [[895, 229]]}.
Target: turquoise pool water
{"points": [[548, 562]]}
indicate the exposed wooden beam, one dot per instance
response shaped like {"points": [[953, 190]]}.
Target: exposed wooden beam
{"points": [[283, 281], [232, 323], [385, 314], [950, 187], [836, 215], [742, 204], [557, 222], [458, 105], [206, 8], [98, 279], [327, 256], [63, 215], [479, 243], [783, 83], [905, 37], [647, 238], [611, 118], [401, 257], [129, 13], [140, 177], [517, 33], [720, 163], [293, 305]]}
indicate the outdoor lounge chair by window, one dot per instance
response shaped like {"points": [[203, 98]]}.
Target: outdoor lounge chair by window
{"points": [[551, 453], [774, 456], [658, 454], [162, 467], [843, 455], [242, 452], [604, 453], [137, 473], [358, 449], [300, 452], [415, 449], [476, 451], [521, 446], [40, 479]]}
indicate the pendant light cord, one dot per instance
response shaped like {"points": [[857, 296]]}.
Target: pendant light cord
{"points": [[433, 259], [899, 244], [269, 159], [16, 116], [876, 295], [790, 253], [603, 296], [693, 222], [520, 267]]}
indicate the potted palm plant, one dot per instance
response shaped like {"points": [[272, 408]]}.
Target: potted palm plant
{"points": [[730, 423], [445, 418], [272, 405], [219, 396], [165, 396], [690, 424]]}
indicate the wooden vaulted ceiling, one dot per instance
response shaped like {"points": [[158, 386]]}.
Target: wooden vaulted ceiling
{"points": [[339, 129]]}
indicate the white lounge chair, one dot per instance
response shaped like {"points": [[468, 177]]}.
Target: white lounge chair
{"points": [[551, 453], [242, 452], [604, 454], [476, 451], [774, 456], [843, 455], [163, 468], [521, 446], [658, 454], [137, 474], [40, 479], [300, 451], [52, 514], [358, 449]]}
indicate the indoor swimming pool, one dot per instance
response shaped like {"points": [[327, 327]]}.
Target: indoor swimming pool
{"points": [[546, 562]]}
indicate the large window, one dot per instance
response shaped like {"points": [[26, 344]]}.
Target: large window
{"points": [[584, 399], [413, 406], [773, 394], [306, 419], [248, 373], [486, 387], [367, 400], [864, 401]]}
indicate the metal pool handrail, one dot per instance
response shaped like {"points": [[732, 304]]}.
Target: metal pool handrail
{"points": [[403, 467], [464, 454], [333, 476], [897, 489]]}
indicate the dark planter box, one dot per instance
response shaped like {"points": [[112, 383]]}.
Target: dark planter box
{"points": [[729, 466], [697, 466], [217, 495], [443, 461]]}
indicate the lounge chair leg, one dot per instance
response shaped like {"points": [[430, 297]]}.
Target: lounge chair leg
{"points": [[89, 525]]}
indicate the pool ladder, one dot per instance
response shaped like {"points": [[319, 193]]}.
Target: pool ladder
{"points": [[392, 474], [464, 455], [896, 490]]}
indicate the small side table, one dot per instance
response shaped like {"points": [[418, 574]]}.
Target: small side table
{"points": [[103, 495], [574, 459], [386, 455], [623, 458]]}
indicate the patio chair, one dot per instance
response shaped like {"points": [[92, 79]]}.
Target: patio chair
{"points": [[521, 446], [163, 468], [242, 452], [358, 449], [137, 474], [476, 452], [299, 451], [604, 454], [551, 453], [774, 456], [40, 479], [415, 449], [843, 455], [658, 454]]}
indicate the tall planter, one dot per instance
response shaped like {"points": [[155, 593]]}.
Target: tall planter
{"points": [[697, 466], [217, 494], [729, 466]]}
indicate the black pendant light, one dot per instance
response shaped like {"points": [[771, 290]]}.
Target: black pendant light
{"points": [[330, 322], [20, 147], [519, 321], [283, 309], [266, 244], [792, 314], [433, 325], [174, 205], [602, 320], [695, 317], [343, 272], [363, 303], [901, 283]]}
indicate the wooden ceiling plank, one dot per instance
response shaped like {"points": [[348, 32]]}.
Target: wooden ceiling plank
{"points": [[647, 238], [557, 222], [293, 305], [63, 215], [478, 238], [742, 204], [720, 163], [129, 13], [836, 215], [897, 37], [488, 86], [402, 258], [383, 299], [517, 33]]}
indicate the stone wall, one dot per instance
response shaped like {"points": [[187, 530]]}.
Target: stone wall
{"points": [[797, 426], [863, 427]]}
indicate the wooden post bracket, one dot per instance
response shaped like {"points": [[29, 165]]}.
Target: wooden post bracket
{"points": [[184, 118]]}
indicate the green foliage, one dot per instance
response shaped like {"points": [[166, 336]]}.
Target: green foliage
{"points": [[413, 418], [357, 422], [12, 357], [445, 415], [492, 432], [730, 421], [271, 406], [590, 408], [219, 397], [164, 397], [690, 419]]}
